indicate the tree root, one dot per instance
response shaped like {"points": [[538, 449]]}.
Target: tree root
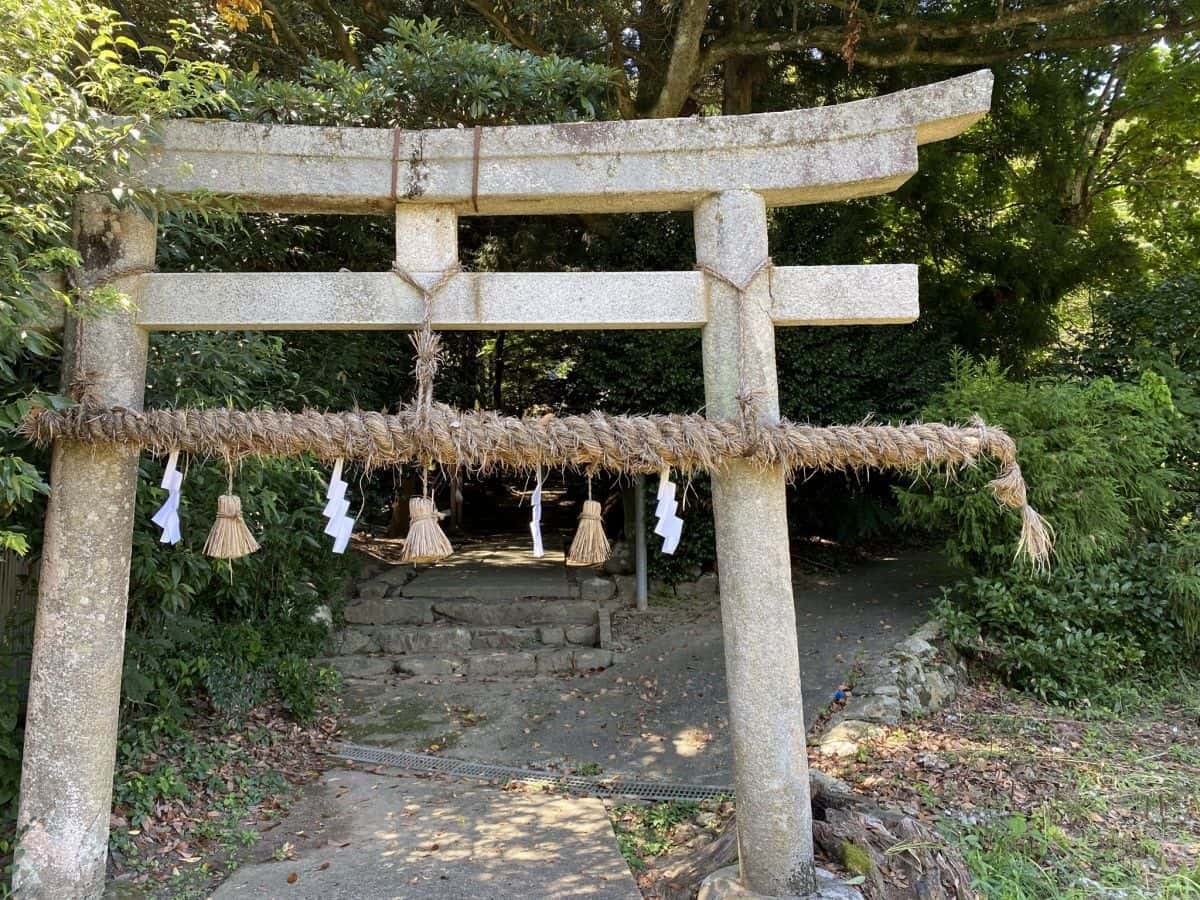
{"points": [[898, 856]]}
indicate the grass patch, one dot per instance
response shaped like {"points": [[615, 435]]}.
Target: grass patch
{"points": [[644, 830], [647, 831], [1047, 802]]}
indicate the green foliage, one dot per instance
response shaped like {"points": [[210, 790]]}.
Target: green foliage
{"points": [[644, 832], [1093, 453], [164, 764], [1153, 327], [1077, 634], [11, 740], [424, 77], [76, 97], [1123, 598], [232, 633]]}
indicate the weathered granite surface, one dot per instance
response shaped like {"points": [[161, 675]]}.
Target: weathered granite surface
{"points": [[342, 301], [797, 156]]}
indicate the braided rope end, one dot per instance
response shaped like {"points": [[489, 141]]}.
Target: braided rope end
{"points": [[1037, 536]]}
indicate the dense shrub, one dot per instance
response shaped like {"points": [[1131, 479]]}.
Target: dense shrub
{"points": [[232, 633], [1154, 328], [1123, 596], [425, 77], [1093, 452], [1080, 631]]}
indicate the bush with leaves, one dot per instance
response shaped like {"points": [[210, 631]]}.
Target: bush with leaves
{"points": [[1123, 597], [1078, 633], [425, 77], [204, 628], [1156, 328], [1094, 454], [67, 70]]}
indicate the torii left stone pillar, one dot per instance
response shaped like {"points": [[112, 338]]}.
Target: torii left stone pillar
{"points": [[83, 589]]}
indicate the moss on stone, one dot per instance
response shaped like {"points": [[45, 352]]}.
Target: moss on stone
{"points": [[856, 858]]}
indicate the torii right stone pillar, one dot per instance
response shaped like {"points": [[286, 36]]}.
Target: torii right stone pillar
{"points": [[758, 618]]}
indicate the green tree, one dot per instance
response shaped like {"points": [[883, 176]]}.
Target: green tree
{"points": [[65, 69]]}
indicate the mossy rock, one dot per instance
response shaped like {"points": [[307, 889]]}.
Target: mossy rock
{"points": [[856, 858]]}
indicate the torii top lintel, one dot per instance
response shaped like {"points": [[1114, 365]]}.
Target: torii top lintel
{"points": [[837, 152]]}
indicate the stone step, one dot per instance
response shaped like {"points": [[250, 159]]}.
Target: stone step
{"points": [[510, 613], [363, 639], [475, 664], [370, 610], [517, 612]]}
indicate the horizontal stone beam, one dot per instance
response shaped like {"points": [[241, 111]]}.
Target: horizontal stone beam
{"points": [[799, 156], [348, 301]]}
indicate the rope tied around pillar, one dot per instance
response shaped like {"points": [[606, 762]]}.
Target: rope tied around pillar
{"points": [[426, 342], [749, 399]]}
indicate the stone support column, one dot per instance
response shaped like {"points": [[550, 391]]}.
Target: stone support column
{"points": [[79, 636], [757, 613], [426, 238]]}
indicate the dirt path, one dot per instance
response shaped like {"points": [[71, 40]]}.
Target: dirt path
{"points": [[661, 712]]}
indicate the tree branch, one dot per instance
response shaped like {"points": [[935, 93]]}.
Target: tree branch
{"points": [[829, 39], [512, 34], [683, 69], [618, 53], [285, 30], [752, 43], [983, 57], [340, 35]]}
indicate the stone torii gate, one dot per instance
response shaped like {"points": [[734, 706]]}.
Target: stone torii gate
{"points": [[726, 170]]}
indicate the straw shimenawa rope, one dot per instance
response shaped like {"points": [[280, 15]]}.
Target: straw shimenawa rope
{"points": [[482, 441]]}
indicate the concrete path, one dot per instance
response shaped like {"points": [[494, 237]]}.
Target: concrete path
{"points": [[381, 835], [661, 712]]}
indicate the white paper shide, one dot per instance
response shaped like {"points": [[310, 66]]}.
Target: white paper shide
{"points": [[341, 525], [167, 517], [670, 526]]}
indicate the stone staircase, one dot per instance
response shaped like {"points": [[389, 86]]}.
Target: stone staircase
{"points": [[476, 617]]}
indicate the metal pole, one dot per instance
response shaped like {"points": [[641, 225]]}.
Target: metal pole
{"points": [[639, 539]]}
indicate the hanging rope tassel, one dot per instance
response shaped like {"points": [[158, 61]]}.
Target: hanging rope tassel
{"points": [[229, 538], [1037, 537], [426, 542], [590, 546]]}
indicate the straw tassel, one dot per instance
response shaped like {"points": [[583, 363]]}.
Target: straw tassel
{"points": [[426, 542], [1037, 537], [590, 547], [229, 538]]}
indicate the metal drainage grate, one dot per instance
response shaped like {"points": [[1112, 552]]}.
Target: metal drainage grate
{"points": [[614, 786]]}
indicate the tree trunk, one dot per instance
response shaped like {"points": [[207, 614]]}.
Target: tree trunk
{"points": [[498, 372], [742, 75]]}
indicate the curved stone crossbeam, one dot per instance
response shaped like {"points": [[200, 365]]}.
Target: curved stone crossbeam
{"points": [[799, 156]]}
